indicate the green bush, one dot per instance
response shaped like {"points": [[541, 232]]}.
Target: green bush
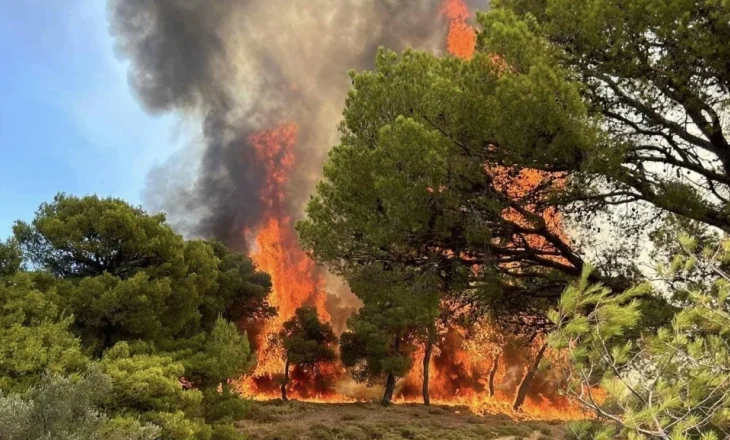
{"points": [[34, 334], [224, 405], [59, 408]]}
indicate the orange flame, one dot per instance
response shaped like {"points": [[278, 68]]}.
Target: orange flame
{"points": [[462, 38], [518, 186], [461, 42], [295, 278], [460, 365], [460, 369]]}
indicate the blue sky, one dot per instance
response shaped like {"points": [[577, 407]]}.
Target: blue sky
{"points": [[68, 119]]}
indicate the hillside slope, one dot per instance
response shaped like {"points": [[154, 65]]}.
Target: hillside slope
{"points": [[278, 420]]}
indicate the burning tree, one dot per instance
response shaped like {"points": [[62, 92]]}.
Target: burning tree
{"points": [[468, 167], [657, 82], [307, 343], [426, 179], [265, 123], [460, 169], [414, 182], [266, 103], [396, 317]]}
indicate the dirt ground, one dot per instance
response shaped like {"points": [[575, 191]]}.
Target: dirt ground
{"points": [[278, 420]]}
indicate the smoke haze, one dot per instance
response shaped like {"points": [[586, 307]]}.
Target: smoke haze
{"points": [[238, 66]]}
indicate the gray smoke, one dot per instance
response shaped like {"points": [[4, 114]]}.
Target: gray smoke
{"points": [[239, 66]]}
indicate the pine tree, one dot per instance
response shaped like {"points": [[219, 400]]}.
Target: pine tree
{"points": [[673, 383], [126, 275], [382, 337], [307, 342]]}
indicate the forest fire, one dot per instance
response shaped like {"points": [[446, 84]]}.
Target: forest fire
{"points": [[295, 279], [476, 372], [410, 219], [460, 221], [483, 373]]}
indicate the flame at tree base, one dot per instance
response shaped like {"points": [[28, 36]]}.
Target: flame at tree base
{"points": [[460, 368], [295, 278], [540, 408]]}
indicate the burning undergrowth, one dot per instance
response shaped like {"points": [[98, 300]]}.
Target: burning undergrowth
{"points": [[266, 80]]}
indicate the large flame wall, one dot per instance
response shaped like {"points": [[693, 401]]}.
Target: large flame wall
{"points": [[266, 80], [461, 366]]}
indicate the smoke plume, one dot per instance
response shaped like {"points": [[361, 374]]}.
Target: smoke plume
{"points": [[238, 66]]}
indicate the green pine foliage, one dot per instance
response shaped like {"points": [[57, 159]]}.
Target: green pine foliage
{"points": [[146, 382], [125, 275], [221, 354], [307, 342], [11, 257], [381, 338], [34, 333], [673, 383], [113, 290], [58, 408]]}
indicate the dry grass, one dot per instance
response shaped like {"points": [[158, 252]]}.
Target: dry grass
{"points": [[277, 420]]}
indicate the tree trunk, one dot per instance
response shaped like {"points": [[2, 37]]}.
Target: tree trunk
{"points": [[390, 381], [426, 363], [527, 380], [286, 380], [493, 372], [389, 388]]}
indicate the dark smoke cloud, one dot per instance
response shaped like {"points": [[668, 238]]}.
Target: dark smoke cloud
{"points": [[177, 49], [244, 65], [239, 66]]}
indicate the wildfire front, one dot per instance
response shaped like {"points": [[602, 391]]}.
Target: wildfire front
{"points": [[484, 373]]}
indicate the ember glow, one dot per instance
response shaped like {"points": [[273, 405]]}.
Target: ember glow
{"points": [[522, 185], [477, 372]]}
